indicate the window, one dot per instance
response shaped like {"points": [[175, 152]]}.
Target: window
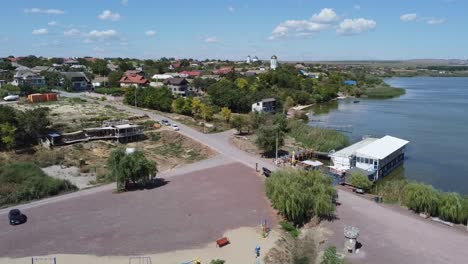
{"points": [[371, 161], [366, 160]]}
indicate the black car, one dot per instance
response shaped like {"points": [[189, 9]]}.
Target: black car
{"points": [[165, 122], [16, 217]]}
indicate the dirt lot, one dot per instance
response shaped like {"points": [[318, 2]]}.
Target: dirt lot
{"points": [[190, 211], [167, 148]]}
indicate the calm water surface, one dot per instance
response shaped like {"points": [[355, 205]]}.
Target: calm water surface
{"points": [[433, 116]]}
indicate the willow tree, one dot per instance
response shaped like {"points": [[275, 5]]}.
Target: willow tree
{"points": [[300, 195], [421, 198]]}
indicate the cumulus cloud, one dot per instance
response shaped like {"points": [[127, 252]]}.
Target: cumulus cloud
{"points": [[72, 32], [409, 17], [101, 35], [109, 15], [44, 11], [355, 26], [40, 31], [303, 28], [297, 28], [326, 15], [231, 9], [52, 23], [435, 21], [211, 40], [150, 33]]}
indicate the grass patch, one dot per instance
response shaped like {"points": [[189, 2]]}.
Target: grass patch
{"points": [[22, 182], [384, 91], [76, 100], [315, 138], [290, 228], [170, 150]]}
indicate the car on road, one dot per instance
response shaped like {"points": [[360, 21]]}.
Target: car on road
{"points": [[360, 191], [16, 217], [175, 127], [165, 122], [11, 98]]}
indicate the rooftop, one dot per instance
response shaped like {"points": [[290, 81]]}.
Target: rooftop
{"points": [[349, 151], [383, 147]]}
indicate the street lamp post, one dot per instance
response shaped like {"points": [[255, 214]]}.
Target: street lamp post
{"points": [[136, 96]]}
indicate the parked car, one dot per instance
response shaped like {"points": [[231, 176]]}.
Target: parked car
{"points": [[165, 122], [175, 127], [360, 191], [16, 217], [11, 98]]}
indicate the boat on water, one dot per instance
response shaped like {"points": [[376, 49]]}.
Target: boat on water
{"points": [[356, 101]]}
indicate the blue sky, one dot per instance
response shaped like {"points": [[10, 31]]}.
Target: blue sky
{"points": [[291, 29]]}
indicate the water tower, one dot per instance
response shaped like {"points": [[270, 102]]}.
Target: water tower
{"points": [[274, 62], [249, 60]]}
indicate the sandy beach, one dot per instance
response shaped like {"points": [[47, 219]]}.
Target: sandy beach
{"points": [[241, 250]]}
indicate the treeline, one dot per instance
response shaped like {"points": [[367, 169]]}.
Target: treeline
{"points": [[21, 128], [447, 68], [423, 198]]}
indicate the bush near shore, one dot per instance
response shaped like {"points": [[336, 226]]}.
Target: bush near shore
{"points": [[315, 138], [23, 182], [383, 91], [423, 198]]}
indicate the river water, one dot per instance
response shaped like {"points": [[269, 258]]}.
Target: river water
{"points": [[432, 115]]}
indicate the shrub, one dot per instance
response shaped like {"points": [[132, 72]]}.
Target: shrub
{"points": [[22, 182], [330, 257], [299, 195], [217, 261], [360, 180], [450, 207], [392, 191], [421, 198], [290, 228]]}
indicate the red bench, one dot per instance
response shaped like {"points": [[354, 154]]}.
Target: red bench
{"points": [[222, 242]]}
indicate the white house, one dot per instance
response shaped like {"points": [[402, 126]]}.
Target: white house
{"points": [[377, 156], [267, 105], [27, 76], [161, 77]]}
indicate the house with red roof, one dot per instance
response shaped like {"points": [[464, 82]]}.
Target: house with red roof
{"points": [[223, 70], [133, 80], [191, 74]]}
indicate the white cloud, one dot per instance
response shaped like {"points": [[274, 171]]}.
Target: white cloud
{"points": [[109, 15], [124, 2], [435, 21], [97, 35], [297, 28], [44, 11], [409, 17], [357, 7], [211, 40], [231, 9], [355, 26], [150, 33], [326, 16], [72, 32], [40, 31], [52, 23]]}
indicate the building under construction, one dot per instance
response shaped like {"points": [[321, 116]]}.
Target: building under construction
{"points": [[119, 130]]}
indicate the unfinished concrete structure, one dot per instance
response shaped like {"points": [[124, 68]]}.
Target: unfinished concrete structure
{"points": [[119, 130]]}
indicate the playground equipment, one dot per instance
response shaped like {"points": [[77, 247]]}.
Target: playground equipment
{"points": [[265, 228], [43, 260], [139, 260], [195, 261]]}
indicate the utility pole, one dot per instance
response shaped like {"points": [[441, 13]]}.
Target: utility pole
{"points": [[277, 135], [204, 122], [136, 96]]}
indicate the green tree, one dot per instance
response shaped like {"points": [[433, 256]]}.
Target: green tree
{"points": [[52, 79], [360, 180], [32, 124], [7, 134], [288, 103], [196, 107], [280, 120], [299, 195], [100, 67], [226, 114], [450, 207], [268, 137], [187, 108], [207, 112], [130, 167], [241, 83], [12, 89], [114, 78], [238, 122], [125, 66], [178, 105], [421, 198], [330, 257]]}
